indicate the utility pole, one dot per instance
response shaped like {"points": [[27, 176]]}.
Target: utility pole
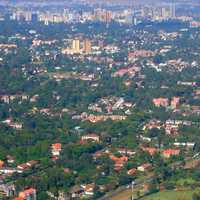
{"points": [[132, 198]]}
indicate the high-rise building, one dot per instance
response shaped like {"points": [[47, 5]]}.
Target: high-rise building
{"points": [[108, 16], [87, 47], [103, 15], [135, 21], [34, 17], [101, 43], [165, 12], [76, 45], [173, 10]]}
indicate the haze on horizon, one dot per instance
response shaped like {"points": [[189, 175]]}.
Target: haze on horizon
{"points": [[122, 2]]}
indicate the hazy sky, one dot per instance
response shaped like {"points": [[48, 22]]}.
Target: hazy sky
{"points": [[101, 1]]}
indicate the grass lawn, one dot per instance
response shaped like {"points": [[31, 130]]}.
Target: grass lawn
{"points": [[125, 195], [185, 180], [171, 195]]}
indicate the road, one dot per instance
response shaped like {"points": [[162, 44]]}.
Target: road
{"points": [[124, 193]]}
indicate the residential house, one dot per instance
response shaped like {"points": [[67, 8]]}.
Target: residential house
{"points": [[144, 167], [152, 124], [23, 166], [170, 152], [56, 148], [10, 159], [7, 190], [28, 194], [119, 161], [139, 53], [1, 163], [171, 130], [126, 152], [150, 150], [197, 92], [8, 170], [14, 125], [88, 189], [175, 102], [92, 137], [28, 165], [184, 144], [158, 102], [132, 171], [76, 191]]}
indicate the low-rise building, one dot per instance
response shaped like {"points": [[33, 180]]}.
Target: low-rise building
{"points": [[170, 152], [55, 150], [144, 167], [7, 190], [92, 137], [161, 102], [28, 194], [132, 171]]}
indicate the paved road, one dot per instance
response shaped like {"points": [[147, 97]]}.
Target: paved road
{"points": [[118, 193], [122, 191]]}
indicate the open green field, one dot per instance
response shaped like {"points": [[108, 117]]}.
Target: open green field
{"points": [[125, 195], [171, 195]]}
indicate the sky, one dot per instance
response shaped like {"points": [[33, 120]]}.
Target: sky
{"points": [[123, 2]]}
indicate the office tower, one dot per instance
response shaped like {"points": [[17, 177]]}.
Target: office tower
{"points": [[76, 45], [165, 13], [173, 10], [129, 19], [103, 15], [101, 44], [87, 47], [108, 16], [135, 21], [27, 16], [34, 17]]}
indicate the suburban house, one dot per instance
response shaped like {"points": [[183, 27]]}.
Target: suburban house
{"points": [[150, 150], [28, 194], [170, 152], [56, 149], [92, 137], [88, 189], [76, 191], [10, 159], [124, 151], [119, 161], [132, 171], [7, 190], [175, 102], [1, 163], [144, 167], [158, 102]]}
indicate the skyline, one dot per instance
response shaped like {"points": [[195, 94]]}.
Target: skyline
{"points": [[122, 2], [99, 99]]}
